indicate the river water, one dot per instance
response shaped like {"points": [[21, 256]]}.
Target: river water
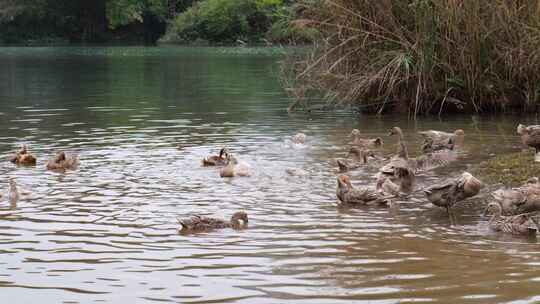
{"points": [[143, 118]]}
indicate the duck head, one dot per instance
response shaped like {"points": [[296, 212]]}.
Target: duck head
{"points": [[223, 152], [354, 133], [459, 132], [521, 129], [471, 184], [61, 156], [299, 138], [378, 142], [493, 209], [344, 183], [12, 183], [396, 131], [239, 220]]}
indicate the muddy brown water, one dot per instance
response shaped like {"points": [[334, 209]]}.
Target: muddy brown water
{"points": [[142, 120]]}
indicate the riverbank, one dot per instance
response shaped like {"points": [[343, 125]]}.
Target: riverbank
{"points": [[512, 169]]}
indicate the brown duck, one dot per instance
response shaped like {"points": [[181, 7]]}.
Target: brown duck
{"points": [[23, 157], [198, 223], [519, 200], [424, 162], [530, 136], [439, 137], [359, 157], [521, 224], [299, 138], [63, 162], [13, 192], [430, 146], [449, 193], [233, 168], [348, 195], [401, 169], [217, 160], [365, 142]]}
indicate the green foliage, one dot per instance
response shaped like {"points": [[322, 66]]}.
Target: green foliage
{"points": [[232, 20], [222, 21], [122, 12]]}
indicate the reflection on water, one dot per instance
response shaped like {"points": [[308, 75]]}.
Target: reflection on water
{"points": [[142, 120]]}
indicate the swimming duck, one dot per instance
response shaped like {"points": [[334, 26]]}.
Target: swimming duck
{"points": [[299, 138], [519, 200], [430, 146], [198, 223], [424, 162], [23, 157], [451, 192], [349, 195], [13, 192], [217, 160], [530, 136], [521, 224], [360, 157], [457, 137], [233, 168], [63, 162], [401, 169], [365, 142]]}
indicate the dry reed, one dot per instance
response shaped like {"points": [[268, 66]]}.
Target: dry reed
{"points": [[419, 56]]}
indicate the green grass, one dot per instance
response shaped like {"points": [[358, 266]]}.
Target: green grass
{"points": [[511, 169]]}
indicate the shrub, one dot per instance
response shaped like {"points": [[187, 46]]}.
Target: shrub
{"points": [[223, 20], [420, 55]]}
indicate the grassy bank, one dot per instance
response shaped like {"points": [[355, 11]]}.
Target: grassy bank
{"points": [[512, 169], [419, 56]]}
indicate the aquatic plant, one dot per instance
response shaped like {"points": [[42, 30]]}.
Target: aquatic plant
{"points": [[419, 56]]}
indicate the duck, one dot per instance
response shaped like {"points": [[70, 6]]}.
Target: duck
{"points": [[430, 146], [233, 168], [13, 192], [63, 162], [23, 157], [457, 137], [197, 223], [401, 169], [216, 160], [424, 162], [448, 193], [359, 156], [299, 138], [349, 195], [521, 224], [530, 136], [365, 142], [519, 200]]}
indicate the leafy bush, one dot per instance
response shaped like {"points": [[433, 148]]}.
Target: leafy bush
{"points": [[231, 20]]}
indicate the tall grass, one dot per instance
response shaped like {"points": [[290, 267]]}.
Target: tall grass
{"points": [[420, 56]]}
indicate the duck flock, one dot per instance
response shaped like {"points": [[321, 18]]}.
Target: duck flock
{"points": [[512, 210]]}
